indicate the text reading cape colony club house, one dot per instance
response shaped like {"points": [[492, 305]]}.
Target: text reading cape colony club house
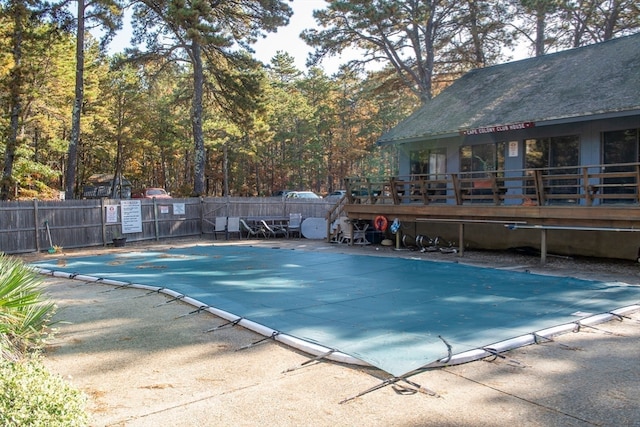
{"points": [[494, 129]]}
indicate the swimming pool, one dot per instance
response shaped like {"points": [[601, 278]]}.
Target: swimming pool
{"points": [[393, 313]]}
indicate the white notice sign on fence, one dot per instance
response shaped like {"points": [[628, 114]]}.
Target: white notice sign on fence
{"points": [[178, 209], [131, 213], [112, 213]]}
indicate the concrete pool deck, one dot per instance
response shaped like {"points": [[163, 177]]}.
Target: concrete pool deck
{"points": [[143, 364]]}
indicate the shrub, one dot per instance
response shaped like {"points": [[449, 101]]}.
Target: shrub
{"points": [[31, 396], [23, 310]]}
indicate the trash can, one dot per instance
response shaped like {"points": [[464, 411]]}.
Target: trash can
{"points": [[374, 236]]}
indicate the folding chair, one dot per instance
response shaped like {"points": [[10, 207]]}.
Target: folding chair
{"points": [[254, 232], [233, 226], [220, 226], [273, 231]]}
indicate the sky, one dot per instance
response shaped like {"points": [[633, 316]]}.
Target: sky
{"points": [[286, 39]]}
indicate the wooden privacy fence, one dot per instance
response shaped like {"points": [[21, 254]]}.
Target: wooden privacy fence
{"points": [[25, 226]]}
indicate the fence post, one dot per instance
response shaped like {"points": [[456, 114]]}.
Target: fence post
{"points": [[103, 222], [156, 227], [36, 225], [202, 213]]}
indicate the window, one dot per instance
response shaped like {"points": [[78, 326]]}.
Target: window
{"points": [[428, 164], [431, 162], [552, 152], [559, 154], [482, 157], [619, 147]]}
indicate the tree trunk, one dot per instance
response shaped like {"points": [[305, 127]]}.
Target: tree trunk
{"points": [[16, 102], [199, 153], [610, 21], [540, 32], [72, 152], [116, 184]]}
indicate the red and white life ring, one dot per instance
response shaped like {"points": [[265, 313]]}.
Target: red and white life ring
{"points": [[380, 223]]}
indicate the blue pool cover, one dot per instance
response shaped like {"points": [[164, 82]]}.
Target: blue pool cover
{"points": [[389, 312]]}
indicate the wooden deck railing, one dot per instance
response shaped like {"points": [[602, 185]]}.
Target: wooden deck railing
{"points": [[580, 185]]}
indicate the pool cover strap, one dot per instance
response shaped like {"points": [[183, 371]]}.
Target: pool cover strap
{"points": [[580, 325], [391, 381], [621, 317], [177, 298], [253, 344], [307, 362], [124, 285], [226, 325], [196, 311], [449, 349], [496, 355], [541, 339], [156, 291]]}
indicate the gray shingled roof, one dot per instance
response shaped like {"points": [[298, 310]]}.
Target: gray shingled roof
{"points": [[592, 80]]}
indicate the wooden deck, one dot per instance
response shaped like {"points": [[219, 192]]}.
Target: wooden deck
{"points": [[598, 198], [601, 217]]}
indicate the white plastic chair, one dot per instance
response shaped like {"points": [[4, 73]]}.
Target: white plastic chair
{"points": [[220, 226], [295, 224], [233, 226], [345, 230]]}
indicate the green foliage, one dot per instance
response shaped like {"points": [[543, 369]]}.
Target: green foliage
{"points": [[23, 311], [209, 36], [31, 396]]}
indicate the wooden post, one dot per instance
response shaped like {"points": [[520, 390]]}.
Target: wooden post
{"points": [[103, 221], [36, 226], [543, 246], [637, 183], [202, 217], [539, 183], [456, 188], [461, 239], [155, 219]]}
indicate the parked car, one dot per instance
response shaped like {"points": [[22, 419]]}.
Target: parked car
{"points": [[280, 193], [150, 193], [334, 196], [302, 195]]}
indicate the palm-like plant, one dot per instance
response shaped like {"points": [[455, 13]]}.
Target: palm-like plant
{"points": [[24, 311]]}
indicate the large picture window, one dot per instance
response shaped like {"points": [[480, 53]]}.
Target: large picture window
{"points": [[432, 163], [619, 147], [561, 151], [482, 157], [562, 155]]}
